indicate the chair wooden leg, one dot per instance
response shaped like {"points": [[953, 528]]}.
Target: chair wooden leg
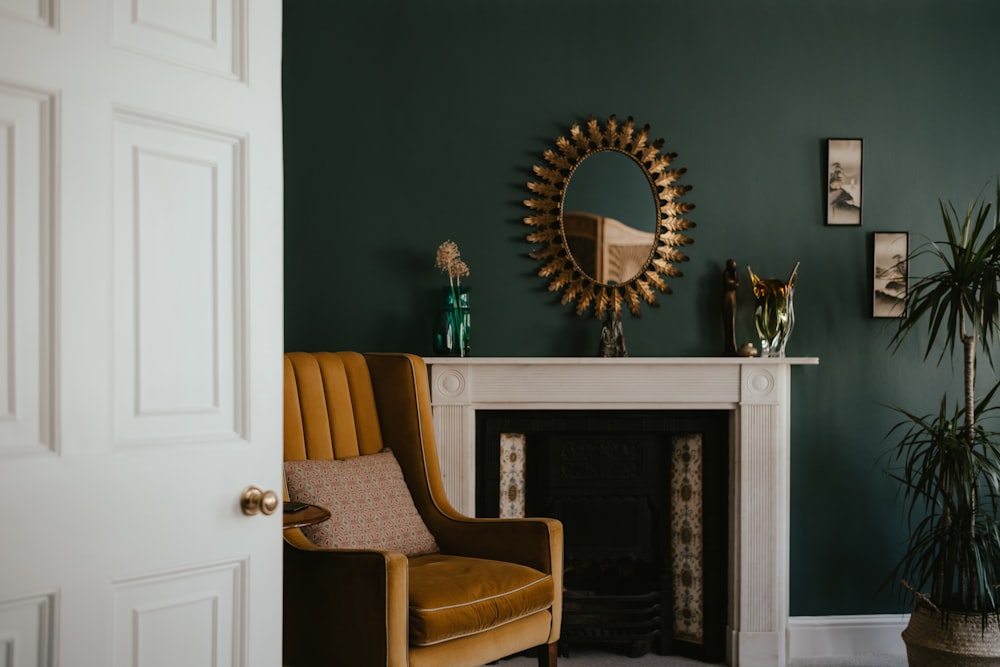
{"points": [[548, 654]]}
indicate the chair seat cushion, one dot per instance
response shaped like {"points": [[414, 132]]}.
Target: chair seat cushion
{"points": [[455, 596]]}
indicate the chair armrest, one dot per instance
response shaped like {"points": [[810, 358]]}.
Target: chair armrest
{"points": [[343, 606], [535, 542]]}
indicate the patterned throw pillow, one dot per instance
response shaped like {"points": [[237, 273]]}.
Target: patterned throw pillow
{"points": [[369, 503]]}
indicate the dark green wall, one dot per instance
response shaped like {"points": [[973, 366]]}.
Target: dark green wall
{"points": [[408, 123]]}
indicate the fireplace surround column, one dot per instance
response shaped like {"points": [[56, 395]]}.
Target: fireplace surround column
{"points": [[757, 392]]}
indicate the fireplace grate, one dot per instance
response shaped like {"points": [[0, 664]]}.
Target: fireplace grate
{"points": [[634, 621]]}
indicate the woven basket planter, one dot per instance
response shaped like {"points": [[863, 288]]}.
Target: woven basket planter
{"points": [[961, 642]]}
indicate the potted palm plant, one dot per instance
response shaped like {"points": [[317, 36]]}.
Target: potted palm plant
{"points": [[948, 463]]}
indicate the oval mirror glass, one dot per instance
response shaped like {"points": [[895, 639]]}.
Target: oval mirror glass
{"points": [[609, 217]]}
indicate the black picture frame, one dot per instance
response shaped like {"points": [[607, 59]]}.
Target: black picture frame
{"points": [[890, 284], [844, 182]]}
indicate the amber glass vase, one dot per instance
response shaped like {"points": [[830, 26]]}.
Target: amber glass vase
{"points": [[774, 312]]}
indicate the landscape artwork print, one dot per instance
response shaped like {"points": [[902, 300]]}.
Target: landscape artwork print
{"points": [[889, 286], [843, 206]]}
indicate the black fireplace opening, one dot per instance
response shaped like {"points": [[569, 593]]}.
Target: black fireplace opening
{"points": [[643, 498]]}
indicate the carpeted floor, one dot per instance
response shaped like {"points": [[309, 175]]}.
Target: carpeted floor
{"points": [[598, 658]]}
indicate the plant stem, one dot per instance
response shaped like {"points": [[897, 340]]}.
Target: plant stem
{"points": [[969, 345], [457, 318], [967, 580]]}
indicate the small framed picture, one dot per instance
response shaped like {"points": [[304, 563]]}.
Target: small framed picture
{"points": [[843, 178], [889, 287]]}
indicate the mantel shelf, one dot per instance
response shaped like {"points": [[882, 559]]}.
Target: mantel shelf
{"points": [[624, 361]]}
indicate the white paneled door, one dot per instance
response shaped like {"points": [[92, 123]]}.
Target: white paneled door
{"points": [[140, 332]]}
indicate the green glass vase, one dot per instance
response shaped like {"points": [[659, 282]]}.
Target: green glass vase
{"points": [[451, 333]]}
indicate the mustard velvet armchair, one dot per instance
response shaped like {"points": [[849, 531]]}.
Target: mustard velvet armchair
{"points": [[366, 607]]}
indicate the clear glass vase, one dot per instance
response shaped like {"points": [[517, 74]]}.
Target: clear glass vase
{"points": [[774, 312], [451, 333]]}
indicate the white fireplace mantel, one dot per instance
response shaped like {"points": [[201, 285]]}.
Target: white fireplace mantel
{"points": [[757, 392]]}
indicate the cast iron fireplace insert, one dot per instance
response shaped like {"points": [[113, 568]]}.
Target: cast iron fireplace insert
{"points": [[642, 495]]}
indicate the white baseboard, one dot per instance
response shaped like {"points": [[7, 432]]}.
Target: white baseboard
{"points": [[845, 636]]}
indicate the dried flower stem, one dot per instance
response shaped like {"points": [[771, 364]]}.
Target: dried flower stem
{"points": [[449, 260]]}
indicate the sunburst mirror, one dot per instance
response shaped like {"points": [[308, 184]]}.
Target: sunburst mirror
{"points": [[617, 233]]}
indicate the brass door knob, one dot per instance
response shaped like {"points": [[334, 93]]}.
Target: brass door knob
{"points": [[253, 500]]}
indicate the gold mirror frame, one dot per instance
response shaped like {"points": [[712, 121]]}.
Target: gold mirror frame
{"points": [[558, 262]]}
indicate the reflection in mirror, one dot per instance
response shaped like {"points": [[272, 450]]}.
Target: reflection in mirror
{"points": [[606, 249], [609, 217], [603, 245]]}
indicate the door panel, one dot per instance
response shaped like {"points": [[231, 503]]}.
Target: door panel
{"points": [[41, 12], [203, 603], [27, 639], [191, 33], [26, 184], [140, 331], [178, 327]]}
